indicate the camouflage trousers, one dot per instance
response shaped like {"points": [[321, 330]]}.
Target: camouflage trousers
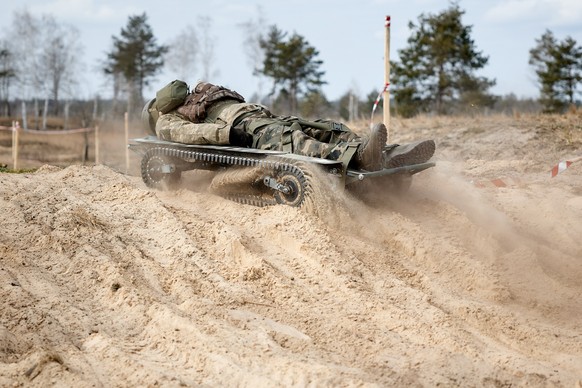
{"points": [[321, 138]]}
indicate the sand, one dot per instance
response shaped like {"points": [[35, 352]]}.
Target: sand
{"points": [[104, 282]]}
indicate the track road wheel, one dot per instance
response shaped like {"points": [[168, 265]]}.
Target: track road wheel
{"points": [[296, 185], [159, 171]]}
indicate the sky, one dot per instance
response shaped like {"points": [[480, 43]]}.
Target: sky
{"points": [[349, 35]]}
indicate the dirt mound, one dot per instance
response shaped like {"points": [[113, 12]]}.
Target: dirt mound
{"points": [[459, 283]]}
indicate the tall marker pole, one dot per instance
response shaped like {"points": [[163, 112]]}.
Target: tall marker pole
{"points": [[126, 119], [386, 105]]}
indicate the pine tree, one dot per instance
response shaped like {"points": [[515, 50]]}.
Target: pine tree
{"points": [[7, 74], [436, 69], [135, 58], [291, 63], [558, 66]]}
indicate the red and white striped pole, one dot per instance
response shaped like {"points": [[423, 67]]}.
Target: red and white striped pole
{"points": [[387, 77], [376, 102], [562, 166]]}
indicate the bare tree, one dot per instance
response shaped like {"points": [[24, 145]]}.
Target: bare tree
{"points": [[253, 30], [208, 42], [61, 58], [24, 38], [182, 58], [46, 57]]}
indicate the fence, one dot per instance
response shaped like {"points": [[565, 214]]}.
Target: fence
{"points": [[17, 131]]}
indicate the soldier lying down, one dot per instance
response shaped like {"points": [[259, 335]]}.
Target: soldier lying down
{"points": [[212, 114]]}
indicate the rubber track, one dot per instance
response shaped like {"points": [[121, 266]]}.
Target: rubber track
{"points": [[243, 161]]}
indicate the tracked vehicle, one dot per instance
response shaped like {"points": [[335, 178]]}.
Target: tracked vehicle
{"points": [[268, 177]]}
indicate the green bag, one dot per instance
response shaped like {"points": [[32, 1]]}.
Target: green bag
{"points": [[171, 96]]}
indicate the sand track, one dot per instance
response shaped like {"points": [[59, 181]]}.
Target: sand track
{"points": [[106, 283]]}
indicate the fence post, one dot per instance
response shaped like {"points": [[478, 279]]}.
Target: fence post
{"points": [[24, 118], [15, 128], [66, 124], [126, 141], [85, 147], [96, 144]]}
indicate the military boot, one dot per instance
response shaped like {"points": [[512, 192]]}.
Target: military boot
{"points": [[408, 154], [369, 155]]}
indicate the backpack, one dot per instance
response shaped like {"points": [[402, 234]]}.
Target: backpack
{"points": [[203, 97], [171, 96]]}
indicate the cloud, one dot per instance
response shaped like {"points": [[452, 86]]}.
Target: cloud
{"points": [[85, 10], [557, 13]]}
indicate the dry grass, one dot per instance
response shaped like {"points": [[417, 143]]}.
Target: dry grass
{"points": [[560, 131], [81, 217]]}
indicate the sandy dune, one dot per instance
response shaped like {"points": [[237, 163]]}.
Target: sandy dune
{"points": [[460, 283]]}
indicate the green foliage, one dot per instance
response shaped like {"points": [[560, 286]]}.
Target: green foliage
{"points": [[6, 71], [344, 106], [314, 105], [558, 66], [7, 74], [368, 104], [4, 169], [291, 63], [510, 104], [135, 55], [408, 103], [351, 108], [364, 107], [435, 72]]}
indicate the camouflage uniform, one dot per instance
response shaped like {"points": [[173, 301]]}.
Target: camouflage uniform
{"points": [[215, 129], [320, 138]]}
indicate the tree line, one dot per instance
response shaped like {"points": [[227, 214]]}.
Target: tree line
{"points": [[437, 71]]}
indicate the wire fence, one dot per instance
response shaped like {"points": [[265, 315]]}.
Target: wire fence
{"points": [[31, 147]]}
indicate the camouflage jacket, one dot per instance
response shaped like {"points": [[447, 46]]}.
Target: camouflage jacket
{"points": [[215, 129]]}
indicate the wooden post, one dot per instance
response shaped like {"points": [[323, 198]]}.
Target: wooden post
{"points": [[44, 114], [66, 124], [85, 147], [24, 119], [386, 105], [15, 128], [95, 109], [126, 141], [96, 144]]}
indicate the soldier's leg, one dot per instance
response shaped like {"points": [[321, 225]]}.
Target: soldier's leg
{"points": [[275, 136], [328, 131], [291, 138], [304, 144]]}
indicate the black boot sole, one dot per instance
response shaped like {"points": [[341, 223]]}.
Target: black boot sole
{"points": [[418, 153]]}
